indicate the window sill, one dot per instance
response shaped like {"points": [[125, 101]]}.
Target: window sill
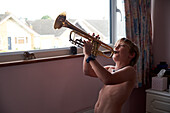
{"points": [[17, 58], [14, 56], [37, 60], [21, 62]]}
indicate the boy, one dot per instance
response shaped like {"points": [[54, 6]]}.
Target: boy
{"points": [[119, 80]]}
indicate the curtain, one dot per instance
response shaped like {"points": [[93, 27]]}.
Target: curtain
{"points": [[139, 30]]}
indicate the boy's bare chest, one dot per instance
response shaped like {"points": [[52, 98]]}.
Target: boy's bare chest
{"points": [[110, 90]]}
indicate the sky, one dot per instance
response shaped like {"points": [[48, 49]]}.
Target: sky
{"points": [[75, 9]]}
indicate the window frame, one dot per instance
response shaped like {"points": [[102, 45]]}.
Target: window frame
{"points": [[44, 53], [0, 42]]}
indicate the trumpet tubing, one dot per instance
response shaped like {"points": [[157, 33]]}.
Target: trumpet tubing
{"points": [[62, 22]]}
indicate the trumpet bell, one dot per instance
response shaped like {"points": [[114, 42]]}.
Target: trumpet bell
{"points": [[60, 21]]}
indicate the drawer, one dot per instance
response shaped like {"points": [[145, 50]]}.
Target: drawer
{"points": [[157, 104]]}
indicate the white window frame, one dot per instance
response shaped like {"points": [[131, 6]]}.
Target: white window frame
{"points": [[20, 38], [0, 42], [15, 56]]}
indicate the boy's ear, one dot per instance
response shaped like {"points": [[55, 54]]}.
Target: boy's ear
{"points": [[132, 55]]}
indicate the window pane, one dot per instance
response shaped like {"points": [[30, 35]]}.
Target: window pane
{"points": [[120, 19], [33, 20]]}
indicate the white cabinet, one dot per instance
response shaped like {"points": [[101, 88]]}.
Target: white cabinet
{"points": [[157, 101]]}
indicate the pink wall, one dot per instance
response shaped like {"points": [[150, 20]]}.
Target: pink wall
{"points": [[55, 87], [161, 34], [47, 87]]}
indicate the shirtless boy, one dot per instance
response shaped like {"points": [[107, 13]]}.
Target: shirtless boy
{"points": [[119, 80]]}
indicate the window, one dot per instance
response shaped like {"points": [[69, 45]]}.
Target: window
{"points": [[120, 19], [32, 27], [19, 40]]}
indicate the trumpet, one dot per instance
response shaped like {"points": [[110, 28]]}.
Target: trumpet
{"points": [[96, 43]]}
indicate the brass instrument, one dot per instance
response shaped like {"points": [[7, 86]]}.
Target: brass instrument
{"points": [[96, 43]]}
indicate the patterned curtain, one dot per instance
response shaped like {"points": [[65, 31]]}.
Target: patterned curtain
{"points": [[139, 30]]}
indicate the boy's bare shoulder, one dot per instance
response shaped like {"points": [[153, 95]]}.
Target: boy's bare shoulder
{"points": [[130, 68], [130, 72]]}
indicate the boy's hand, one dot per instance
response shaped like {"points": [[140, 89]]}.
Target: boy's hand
{"points": [[87, 48]]}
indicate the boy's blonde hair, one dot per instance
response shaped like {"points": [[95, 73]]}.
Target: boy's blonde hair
{"points": [[133, 49]]}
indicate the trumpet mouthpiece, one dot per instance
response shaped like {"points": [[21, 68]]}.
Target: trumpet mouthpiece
{"points": [[116, 52]]}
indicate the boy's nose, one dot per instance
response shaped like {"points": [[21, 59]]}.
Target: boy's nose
{"points": [[116, 47]]}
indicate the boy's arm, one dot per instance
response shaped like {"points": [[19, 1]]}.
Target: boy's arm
{"points": [[122, 75], [87, 69]]}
